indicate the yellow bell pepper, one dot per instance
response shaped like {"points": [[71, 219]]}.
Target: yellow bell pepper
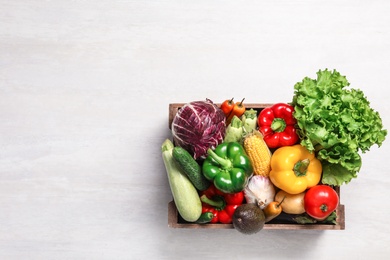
{"points": [[294, 169]]}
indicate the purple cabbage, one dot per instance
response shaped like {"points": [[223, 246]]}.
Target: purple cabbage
{"points": [[198, 126]]}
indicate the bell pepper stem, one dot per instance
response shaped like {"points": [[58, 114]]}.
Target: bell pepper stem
{"points": [[217, 201], [278, 125], [224, 163], [300, 167]]}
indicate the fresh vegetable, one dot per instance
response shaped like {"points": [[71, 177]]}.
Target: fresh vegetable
{"points": [[249, 120], [198, 126], [228, 167], [272, 210], [227, 106], [306, 219], [206, 217], [337, 123], [258, 152], [248, 219], [291, 203], [294, 169], [277, 125], [259, 191], [320, 201], [190, 167], [221, 204], [184, 193], [234, 131], [238, 110]]}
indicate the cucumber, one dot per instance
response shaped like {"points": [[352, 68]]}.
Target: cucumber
{"points": [[205, 218], [191, 168], [184, 193]]}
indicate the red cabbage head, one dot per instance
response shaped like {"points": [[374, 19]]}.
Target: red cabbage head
{"points": [[198, 126]]}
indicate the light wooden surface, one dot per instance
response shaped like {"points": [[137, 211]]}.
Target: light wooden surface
{"points": [[84, 94]]}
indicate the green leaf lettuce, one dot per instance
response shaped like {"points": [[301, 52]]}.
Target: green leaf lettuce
{"points": [[337, 123]]}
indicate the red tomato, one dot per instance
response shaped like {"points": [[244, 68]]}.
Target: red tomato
{"points": [[320, 201]]}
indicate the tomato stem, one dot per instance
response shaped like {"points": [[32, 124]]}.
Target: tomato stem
{"points": [[280, 203], [324, 208]]}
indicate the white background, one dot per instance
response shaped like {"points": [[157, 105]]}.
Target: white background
{"points": [[84, 93]]}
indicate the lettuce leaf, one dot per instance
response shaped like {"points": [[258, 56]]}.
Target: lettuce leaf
{"points": [[337, 123], [306, 219]]}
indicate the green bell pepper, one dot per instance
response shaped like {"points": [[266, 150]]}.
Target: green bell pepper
{"points": [[228, 167]]}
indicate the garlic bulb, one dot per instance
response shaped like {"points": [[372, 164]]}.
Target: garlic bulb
{"points": [[260, 191]]}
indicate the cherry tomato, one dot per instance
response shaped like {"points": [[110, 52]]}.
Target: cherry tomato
{"points": [[227, 106], [273, 210], [238, 110], [320, 201]]}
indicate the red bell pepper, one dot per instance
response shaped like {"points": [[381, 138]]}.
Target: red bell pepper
{"points": [[277, 124], [221, 204]]}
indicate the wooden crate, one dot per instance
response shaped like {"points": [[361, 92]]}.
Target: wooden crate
{"points": [[282, 222]]}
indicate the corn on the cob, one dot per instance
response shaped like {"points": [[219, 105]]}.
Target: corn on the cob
{"points": [[258, 153]]}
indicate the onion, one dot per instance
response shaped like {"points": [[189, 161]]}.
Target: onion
{"points": [[260, 191]]}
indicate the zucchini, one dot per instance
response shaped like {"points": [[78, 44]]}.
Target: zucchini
{"points": [[184, 193], [190, 167]]}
